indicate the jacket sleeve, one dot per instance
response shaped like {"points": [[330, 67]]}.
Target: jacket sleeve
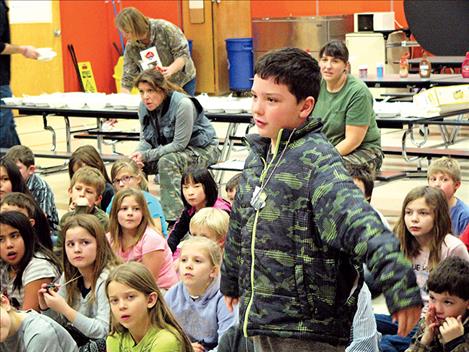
{"points": [[232, 256], [131, 66], [181, 227], [98, 326], [224, 317], [345, 221]]}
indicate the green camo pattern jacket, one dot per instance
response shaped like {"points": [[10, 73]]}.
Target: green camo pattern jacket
{"points": [[294, 263]]}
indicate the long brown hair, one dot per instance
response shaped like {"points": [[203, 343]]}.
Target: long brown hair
{"points": [[116, 229], [436, 201], [138, 277], [89, 156], [105, 257]]}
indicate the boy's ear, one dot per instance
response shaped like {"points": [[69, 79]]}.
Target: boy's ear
{"points": [[152, 299], [307, 108], [31, 169], [457, 184], [98, 199], [32, 221]]}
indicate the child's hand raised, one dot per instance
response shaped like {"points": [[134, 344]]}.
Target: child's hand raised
{"points": [[451, 329], [431, 322]]}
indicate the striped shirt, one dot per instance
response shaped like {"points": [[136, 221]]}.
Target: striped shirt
{"points": [[43, 195]]}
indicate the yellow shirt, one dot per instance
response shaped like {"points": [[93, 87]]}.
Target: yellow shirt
{"points": [[155, 340]]}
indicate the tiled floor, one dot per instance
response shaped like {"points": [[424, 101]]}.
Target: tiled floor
{"points": [[387, 196]]}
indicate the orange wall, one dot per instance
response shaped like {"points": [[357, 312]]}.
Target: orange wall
{"points": [[89, 26]]}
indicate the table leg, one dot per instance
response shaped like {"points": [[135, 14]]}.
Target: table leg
{"points": [[51, 130]]}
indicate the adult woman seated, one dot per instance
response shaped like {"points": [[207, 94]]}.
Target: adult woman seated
{"points": [[171, 45], [345, 106], [174, 134]]}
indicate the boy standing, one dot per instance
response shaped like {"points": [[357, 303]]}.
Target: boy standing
{"points": [[300, 229], [41, 191], [445, 174], [446, 324]]}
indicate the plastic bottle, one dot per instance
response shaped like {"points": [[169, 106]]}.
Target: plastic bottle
{"points": [[379, 70], [404, 66], [465, 66], [425, 67]]}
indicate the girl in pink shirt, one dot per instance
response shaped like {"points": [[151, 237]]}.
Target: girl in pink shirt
{"points": [[133, 237]]}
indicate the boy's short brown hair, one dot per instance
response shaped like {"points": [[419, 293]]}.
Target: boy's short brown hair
{"points": [[89, 176], [450, 275], [22, 154], [447, 166]]}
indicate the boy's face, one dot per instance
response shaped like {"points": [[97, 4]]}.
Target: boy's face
{"points": [[444, 182], [274, 107], [446, 305], [203, 231], [25, 171], [88, 192]]}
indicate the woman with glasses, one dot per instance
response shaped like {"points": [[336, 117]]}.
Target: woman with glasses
{"points": [[174, 134]]}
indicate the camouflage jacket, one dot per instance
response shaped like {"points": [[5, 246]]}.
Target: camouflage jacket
{"points": [[294, 263], [170, 44], [460, 344]]}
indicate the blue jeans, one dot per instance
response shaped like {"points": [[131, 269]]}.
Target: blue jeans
{"points": [[391, 341], [8, 135], [189, 87]]}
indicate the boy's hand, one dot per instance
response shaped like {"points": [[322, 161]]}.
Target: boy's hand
{"points": [[406, 319], [430, 324], [451, 329], [230, 302]]}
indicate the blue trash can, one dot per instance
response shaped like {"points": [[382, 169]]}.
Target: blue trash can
{"points": [[190, 46], [240, 63]]}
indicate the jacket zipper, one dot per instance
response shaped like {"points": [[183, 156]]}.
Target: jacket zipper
{"points": [[253, 240]]}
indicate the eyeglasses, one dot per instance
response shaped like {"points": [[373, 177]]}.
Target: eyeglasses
{"points": [[124, 180]]}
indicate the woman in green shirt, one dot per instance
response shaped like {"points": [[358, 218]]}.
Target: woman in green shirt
{"points": [[141, 320], [345, 106]]}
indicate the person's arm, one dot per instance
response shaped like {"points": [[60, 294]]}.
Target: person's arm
{"points": [[27, 51], [131, 67], [154, 262], [226, 319], [30, 298], [96, 326], [345, 221], [178, 46], [180, 229], [176, 66], [182, 135], [354, 136]]}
